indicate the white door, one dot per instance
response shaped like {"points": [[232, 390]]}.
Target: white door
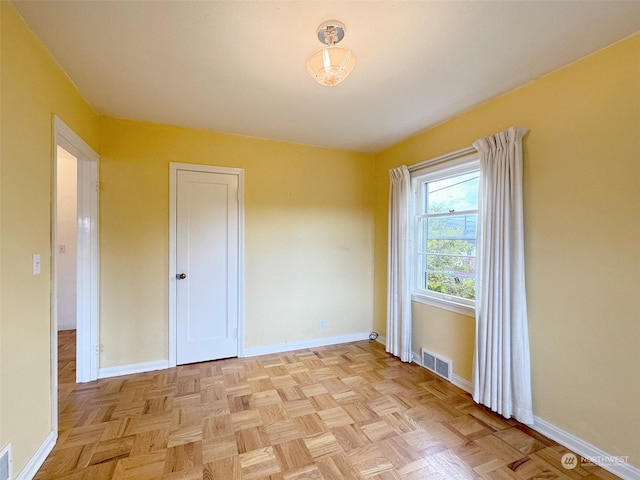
{"points": [[207, 219]]}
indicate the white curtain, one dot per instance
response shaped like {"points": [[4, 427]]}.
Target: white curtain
{"points": [[398, 285], [501, 370]]}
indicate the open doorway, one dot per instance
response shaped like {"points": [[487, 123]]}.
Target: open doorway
{"points": [[75, 262], [65, 249]]}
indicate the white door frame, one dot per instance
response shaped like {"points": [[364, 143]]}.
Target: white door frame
{"points": [[173, 172], [87, 306]]}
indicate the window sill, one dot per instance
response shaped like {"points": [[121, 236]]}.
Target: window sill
{"points": [[444, 304]]}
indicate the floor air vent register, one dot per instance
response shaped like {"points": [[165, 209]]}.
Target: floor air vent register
{"points": [[5, 458], [437, 364]]}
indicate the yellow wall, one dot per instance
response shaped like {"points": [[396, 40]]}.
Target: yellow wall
{"points": [[310, 216], [444, 332], [582, 238], [308, 236], [33, 88]]}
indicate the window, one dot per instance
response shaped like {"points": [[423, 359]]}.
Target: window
{"points": [[445, 220]]}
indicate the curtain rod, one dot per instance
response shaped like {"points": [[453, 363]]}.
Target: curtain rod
{"points": [[442, 158]]}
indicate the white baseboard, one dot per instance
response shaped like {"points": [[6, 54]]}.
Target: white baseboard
{"points": [[586, 450], [462, 383], [316, 342], [248, 352], [382, 340], [34, 464], [415, 358], [132, 368]]}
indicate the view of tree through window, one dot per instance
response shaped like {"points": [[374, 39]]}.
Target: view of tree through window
{"points": [[447, 224]]}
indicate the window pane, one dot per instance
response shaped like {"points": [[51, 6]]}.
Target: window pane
{"points": [[452, 227], [446, 237], [452, 285], [454, 234], [452, 247], [454, 265], [453, 194]]}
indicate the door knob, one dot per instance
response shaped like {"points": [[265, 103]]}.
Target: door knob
{"points": [[181, 276]]}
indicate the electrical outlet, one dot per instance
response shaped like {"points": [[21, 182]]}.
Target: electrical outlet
{"points": [[322, 324]]}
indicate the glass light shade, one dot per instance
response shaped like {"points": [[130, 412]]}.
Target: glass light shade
{"points": [[331, 65]]}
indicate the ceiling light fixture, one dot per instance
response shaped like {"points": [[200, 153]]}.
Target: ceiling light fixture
{"points": [[332, 64]]}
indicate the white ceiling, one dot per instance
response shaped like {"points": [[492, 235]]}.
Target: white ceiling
{"points": [[239, 66]]}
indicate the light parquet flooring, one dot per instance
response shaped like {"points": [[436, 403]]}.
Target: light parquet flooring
{"points": [[342, 412]]}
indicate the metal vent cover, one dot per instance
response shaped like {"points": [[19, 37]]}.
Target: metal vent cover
{"points": [[437, 364], [428, 360], [442, 368], [5, 459]]}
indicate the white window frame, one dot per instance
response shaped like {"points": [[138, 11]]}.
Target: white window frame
{"points": [[433, 171]]}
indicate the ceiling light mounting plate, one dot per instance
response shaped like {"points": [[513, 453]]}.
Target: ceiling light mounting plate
{"points": [[331, 32]]}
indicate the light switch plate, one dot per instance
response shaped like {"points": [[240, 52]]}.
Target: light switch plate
{"points": [[36, 264]]}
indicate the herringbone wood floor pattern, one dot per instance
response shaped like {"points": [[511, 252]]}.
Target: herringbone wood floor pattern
{"points": [[347, 411]]}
